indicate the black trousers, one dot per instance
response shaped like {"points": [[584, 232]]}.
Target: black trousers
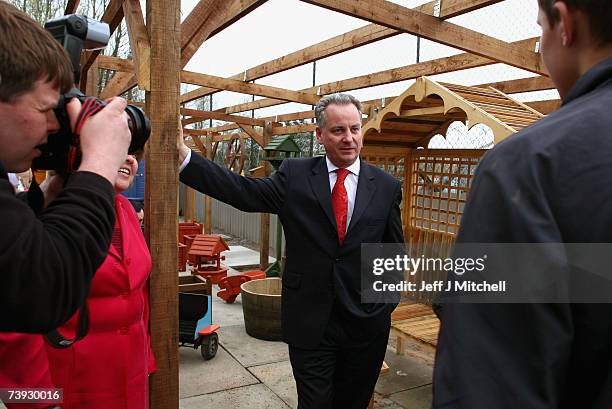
{"points": [[342, 371]]}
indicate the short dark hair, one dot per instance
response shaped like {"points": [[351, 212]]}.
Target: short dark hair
{"points": [[29, 53], [599, 13]]}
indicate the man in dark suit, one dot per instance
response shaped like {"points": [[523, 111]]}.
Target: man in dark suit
{"points": [[547, 184], [329, 206]]}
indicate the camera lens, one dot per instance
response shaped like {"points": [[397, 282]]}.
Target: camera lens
{"points": [[140, 128]]}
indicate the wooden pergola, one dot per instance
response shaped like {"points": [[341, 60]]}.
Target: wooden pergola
{"points": [[162, 48]]}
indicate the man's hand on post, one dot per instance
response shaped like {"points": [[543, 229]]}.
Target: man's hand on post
{"points": [[105, 138], [183, 150]]}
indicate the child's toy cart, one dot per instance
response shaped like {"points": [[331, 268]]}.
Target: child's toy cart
{"points": [[195, 316]]}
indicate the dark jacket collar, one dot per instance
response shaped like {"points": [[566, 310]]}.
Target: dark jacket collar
{"points": [[598, 75]]}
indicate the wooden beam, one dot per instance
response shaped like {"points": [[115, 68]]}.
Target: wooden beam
{"points": [[264, 232], [198, 143], [207, 198], [112, 16], [253, 134], [115, 64], [118, 85], [71, 6], [414, 22], [412, 71], [139, 42], [203, 115], [545, 107], [292, 129], [222, 14], [539, 83], [161, 188], [344, 42], [212, 81]]}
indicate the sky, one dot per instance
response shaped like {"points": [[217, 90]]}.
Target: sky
{"points": [[279, 27]]}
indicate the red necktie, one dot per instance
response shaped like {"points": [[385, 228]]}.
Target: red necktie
{"points": [[340, 203]]}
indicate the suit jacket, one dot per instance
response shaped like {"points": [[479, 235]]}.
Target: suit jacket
{"points": [[47, 260], [110, 367], [319, 273], [543, 185]]}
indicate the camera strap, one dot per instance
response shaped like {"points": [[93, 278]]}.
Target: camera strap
{"points": [[57, 340], [89, 106]]}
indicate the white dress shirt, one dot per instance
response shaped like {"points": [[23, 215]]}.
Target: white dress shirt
{"points": [[350, 184]]}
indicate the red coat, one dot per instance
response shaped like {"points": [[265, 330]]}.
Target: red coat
{"points": [[23, 364], [110, 367]]}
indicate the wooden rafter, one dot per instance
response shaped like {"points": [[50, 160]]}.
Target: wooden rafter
{"points": [[257, 137], [71, 6], [248, 88], [202, 115], [291, 129], [222, 14], [139, 42], [412, 71], [226, 12], [414, 22], [521, 85], [344, 42], [113, 16]]}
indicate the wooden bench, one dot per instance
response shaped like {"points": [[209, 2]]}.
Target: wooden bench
{"points": [[415, 324]]}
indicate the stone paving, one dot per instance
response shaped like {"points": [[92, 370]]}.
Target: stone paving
{"points": [[255, 374]]}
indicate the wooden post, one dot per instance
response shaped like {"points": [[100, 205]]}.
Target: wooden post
{"points": [[91, 86], [208, 199], [162, 105], [264, 233]]}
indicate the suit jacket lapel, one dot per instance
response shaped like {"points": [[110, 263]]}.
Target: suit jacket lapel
{"points": [[319, 181], [365, 190]]}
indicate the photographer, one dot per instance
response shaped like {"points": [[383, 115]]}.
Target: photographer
{"points": [[49, 255]]}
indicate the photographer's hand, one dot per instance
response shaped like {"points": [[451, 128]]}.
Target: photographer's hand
{"points": [[105, 138]]}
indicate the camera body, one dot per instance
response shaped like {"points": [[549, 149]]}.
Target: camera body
{"points": [[61, 152]]}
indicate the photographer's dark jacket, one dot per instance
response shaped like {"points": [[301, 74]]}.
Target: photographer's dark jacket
{"points": [[48, 259], [550, 183]]}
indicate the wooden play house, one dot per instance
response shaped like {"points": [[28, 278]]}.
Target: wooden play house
{"points": [[436, 182]]}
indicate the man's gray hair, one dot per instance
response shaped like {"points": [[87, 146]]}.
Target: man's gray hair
{"points": [[338, 99]]}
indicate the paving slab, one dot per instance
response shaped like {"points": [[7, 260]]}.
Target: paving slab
{"points": [[197, 376], [225, 314], [417, 398], [240, 256], [247, 397], [404, 373], [249, 351], [279, 378]]}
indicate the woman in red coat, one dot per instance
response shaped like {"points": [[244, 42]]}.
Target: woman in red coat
{"points": [[110, 367]]}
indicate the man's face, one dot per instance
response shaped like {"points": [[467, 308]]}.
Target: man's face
{"points": [[556, 55], [25, 123], [341, 134]]}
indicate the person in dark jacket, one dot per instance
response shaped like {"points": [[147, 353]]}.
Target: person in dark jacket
{"points": [[547, 184], [48, 255], [329, 206]]}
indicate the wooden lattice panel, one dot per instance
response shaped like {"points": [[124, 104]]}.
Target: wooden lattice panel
{"points": [[392, 160], [440, 181]]}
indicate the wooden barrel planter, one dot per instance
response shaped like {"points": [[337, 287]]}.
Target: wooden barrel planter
{"points": [[261, 306]]}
